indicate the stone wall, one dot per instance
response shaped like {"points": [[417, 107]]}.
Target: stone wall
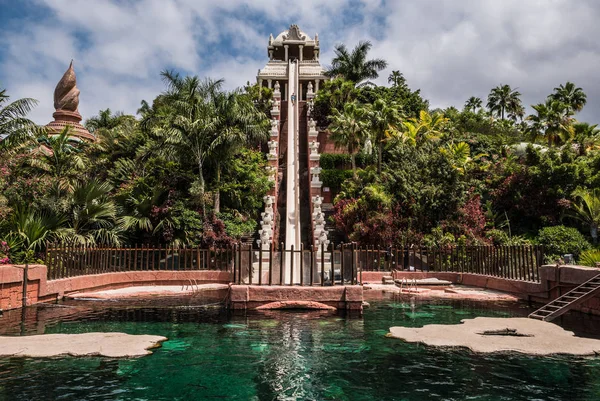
{"points": [[554, 281], [339, 297], [42, 290]]}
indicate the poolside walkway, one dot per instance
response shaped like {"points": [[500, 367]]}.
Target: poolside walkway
{"points": [[149, 291], [375, 291]]}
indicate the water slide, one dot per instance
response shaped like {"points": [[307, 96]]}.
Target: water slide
{"points": [[292, 227]]}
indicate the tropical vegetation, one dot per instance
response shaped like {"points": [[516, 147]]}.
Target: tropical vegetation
{"points": [[189, 169]]}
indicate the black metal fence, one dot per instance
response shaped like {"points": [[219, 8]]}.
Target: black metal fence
{"points": [[71, 260], [519, 262], [335, 265]]}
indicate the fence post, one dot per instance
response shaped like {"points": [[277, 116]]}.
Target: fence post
{"points": [[260, 264], [312, 264], [281, 256], [301, 264], [360, 267], [332, 263], [250, 264], [235, 264], [292, 265], [354, 270], [342, 263], [270, 262], [322, 246]]}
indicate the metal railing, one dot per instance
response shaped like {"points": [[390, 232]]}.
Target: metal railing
{"points": [[519, 262], [335, 265], [69, 260]]}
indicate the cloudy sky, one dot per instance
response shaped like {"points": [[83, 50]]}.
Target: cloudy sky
{"points": [[450, 49]]}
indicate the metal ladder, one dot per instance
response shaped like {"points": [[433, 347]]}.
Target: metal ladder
{"points": [[567, 301], [409, 285]]}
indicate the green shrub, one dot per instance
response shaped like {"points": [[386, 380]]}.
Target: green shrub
{"points": [[334, 178], [499, 237], [237, 225], [342, 160], [590, 257], [561, 240]]}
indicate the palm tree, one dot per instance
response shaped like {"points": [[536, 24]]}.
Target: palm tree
{"points": [[105, 120], [587, 209], [15, 128], [473, 103], [60, 157], [240, 123], [137, 209], [188, 121], [354, 66], [502, 99], [384, 120], [586, 137], [93, 215], [118, 140], [572, 96], [460, 156], [553, 121], [30, 231], [427, 126], [517, 113], [342, 91], [348, 129], [396, 79], [410, 132]]}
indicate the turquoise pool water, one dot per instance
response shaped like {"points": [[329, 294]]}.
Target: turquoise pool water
{"points": [[287, 356]]}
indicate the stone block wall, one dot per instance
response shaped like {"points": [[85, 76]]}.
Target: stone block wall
{"points": [[39, 289], [554, 282]]}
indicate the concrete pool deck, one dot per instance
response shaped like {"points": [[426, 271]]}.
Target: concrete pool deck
{"points": [[376, 291], [148, 291], [286, 297], [551, 282]]}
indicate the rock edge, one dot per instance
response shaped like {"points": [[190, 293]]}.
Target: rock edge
{"points": [[113, 345], [544, 338]]}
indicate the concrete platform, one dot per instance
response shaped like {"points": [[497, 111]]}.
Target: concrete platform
{"points": [[375, 291], [425, 282], [148, 291]]}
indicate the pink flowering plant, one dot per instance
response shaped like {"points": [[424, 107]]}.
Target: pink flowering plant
{"points": [[4, 253]]}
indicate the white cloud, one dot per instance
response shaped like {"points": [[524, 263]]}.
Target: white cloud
{"points": [[451, 50]]}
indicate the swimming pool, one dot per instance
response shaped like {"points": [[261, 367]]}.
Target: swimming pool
{"points": [[212, 354]]}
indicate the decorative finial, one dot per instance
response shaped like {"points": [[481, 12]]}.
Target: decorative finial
{"points": [[66, 102], [66, 94]]}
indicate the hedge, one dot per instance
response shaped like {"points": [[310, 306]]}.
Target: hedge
{"points": [[334, 178], [342, 160]]}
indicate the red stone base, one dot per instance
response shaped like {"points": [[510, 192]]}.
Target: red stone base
{"points": [[253, 296], [296, 305], [39, 289]]}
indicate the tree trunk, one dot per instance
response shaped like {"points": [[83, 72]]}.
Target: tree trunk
{"points": [[201, 182], [379, 157], [594, 233], [217, 198], [353, 161]]}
